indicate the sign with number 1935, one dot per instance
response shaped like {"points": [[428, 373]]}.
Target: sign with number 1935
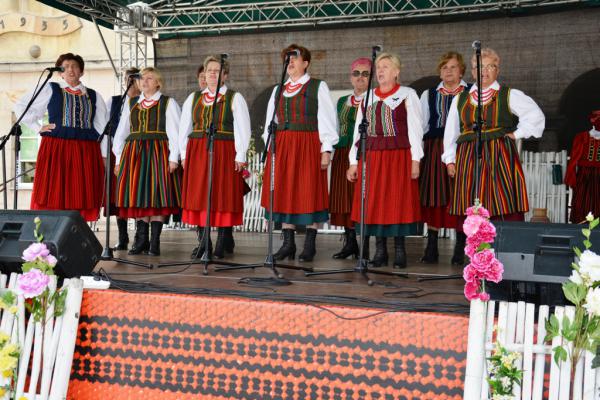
{"points": [[46, 26]]}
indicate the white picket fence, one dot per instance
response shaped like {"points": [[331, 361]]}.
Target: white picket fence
{"points": [[517, 331], [48, 356]]}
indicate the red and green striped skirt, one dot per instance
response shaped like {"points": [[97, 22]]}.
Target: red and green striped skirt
{"points": [[502, 187], [435, 186], [69, 175], [342, 190], [144, 185], [227, 199]]}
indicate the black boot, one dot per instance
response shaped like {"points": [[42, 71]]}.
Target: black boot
{"points": [[366, 248], [199, 250], [220, 245], [431, 251], [156, 229], [350, 245], [123, 236], [458, 258], [381, 255], [399, 252], [142, 242], [288, 248], [229, 242], [309, 251]]}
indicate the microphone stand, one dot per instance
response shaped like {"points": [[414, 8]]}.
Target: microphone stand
{"points": [[270, 261], [362, 266], [107, 253], [15, 131]]}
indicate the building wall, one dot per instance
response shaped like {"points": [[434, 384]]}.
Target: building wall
{"points": [[541, 55]]}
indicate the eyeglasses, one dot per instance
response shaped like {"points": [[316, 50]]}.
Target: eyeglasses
{"points": [[364, 74], [490, 67]]}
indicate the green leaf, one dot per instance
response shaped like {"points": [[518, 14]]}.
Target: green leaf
{"points": [[560, 354], [573, 293], [586, 232], [484, 246], [594, 223], [587, 244], [577, 251]]}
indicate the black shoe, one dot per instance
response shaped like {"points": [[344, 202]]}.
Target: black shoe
{"points": [[142, 241], [399, 252], [199, 250], [156, 229], [288, 248], [458, 258], [431, 254], [123, 236], [225, 243], [350, 245], [229, 244], [309, 251], [381, 255]]}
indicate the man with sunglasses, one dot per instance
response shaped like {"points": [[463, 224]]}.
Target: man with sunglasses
{"points": [[342, 190]]}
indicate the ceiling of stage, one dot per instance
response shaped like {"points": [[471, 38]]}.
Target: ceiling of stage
{"points": [[165, 18]]}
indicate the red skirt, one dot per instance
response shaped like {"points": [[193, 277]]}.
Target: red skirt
{"points": [[69, 175], [586, 194], [342, 190], [300, 183], [392, 196], [227, 200]]}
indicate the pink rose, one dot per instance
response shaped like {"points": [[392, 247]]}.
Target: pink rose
{"points": [[34, 251], [478, 210], [32, 283], [483, 296], [471, 289], [50, 259], [487, 232], [472, 223], [470, 274], [495, 271], [482, 260], [470, 249], [245, 173]]}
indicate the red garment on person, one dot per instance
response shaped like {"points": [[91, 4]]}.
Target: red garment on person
{"points": [[69, 175]]}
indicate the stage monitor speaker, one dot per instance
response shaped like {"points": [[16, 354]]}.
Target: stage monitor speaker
{"points": [[67, 235], [537, 259]]}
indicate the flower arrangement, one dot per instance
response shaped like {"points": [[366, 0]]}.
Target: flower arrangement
{"points": [[583, 290], [503, 374], [483, 263], [33, 287]]}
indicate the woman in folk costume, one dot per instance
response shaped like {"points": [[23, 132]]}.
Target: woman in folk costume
{"points": [[434, 183], [232, 125], [146, 143], [306, 134], [342, 190], [114, 107], [583, 172], [394, 149], [508, 114], [69, 166]]}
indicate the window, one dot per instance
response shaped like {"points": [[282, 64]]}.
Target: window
{"points": [[30, 144]]}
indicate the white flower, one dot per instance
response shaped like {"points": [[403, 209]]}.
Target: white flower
{"points": [[589, 217], [592, 302], [589, 264], [576, 278]]}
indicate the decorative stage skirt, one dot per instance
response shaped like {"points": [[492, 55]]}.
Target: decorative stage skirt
{"points": [[301, 196], [586, 194], [69, 175], [227, 198], [145, 186], [502, 183], [434, 186], [342, 190], [392, 204]]}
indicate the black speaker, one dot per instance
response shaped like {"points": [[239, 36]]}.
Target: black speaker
{"points": [[67, 235], [537, 259]]}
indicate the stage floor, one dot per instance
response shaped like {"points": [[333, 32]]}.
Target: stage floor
{"points": [[390, 292]]}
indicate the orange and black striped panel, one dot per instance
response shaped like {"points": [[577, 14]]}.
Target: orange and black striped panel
{"points": [[159, 346]]}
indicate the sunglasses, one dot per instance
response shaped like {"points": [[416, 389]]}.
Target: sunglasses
{"points": [[364, 74]]}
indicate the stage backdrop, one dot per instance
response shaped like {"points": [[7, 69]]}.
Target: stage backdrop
{"points": [[555, 58]]}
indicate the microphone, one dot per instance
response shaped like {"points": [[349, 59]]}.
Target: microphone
{"points": [[476, 45], [377, 48], [291, 53], [224, 56], [55, 69]]}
